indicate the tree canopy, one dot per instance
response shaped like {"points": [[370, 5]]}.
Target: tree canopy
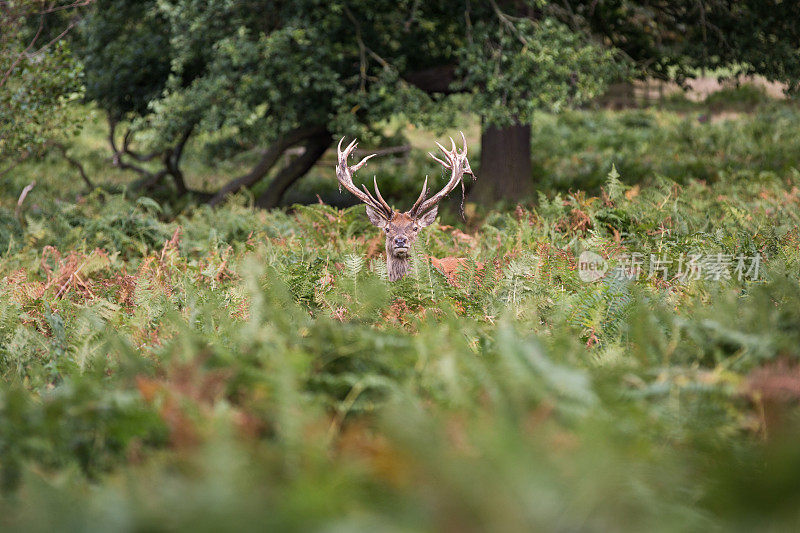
{"points": [[274, 74], [671, 40], [270, 75], [38, 76]]}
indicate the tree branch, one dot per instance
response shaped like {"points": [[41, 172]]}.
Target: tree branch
{"points": [[74, 162], [362, 55], [126, 139], [315, 147], [22, 196], [148, 180], [14, 163], [267, 161], [57, 38], [117, 158], [22, 54], [172, 160], [77, 3]]}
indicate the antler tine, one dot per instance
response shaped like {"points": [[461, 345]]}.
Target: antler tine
{"points": [[373, 202], [344, 174], [448, 158], [445, 165], [362, 162], [347, 150], [457, 163], [380, 207], [413, 210], [380, 197]]}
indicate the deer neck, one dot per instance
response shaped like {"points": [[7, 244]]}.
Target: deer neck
{"points": [[396, 266]]}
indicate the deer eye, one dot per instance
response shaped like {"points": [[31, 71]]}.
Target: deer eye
{"points": [[386, 229], [416, 228]]}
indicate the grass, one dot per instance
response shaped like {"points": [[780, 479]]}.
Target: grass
{"points": [[736, 132], [239, 369]]}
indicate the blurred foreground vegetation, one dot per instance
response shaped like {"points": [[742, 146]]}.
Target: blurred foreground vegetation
{"points": [[176, 367]]}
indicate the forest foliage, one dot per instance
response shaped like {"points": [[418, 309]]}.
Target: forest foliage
{"points": [[172, 357], [238, 368]]}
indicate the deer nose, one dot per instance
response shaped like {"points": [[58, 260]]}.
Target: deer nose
{"points": [[400, 241]]}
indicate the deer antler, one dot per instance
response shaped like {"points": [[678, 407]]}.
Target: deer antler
{"points": [[458, 164], [344, 174]]}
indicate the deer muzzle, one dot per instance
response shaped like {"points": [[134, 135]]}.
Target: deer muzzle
{"points": [[400, 246]]}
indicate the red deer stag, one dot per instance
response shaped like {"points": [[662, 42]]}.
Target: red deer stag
{"points": [[402, 228]]}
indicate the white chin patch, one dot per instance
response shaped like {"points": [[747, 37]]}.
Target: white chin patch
{"points": [[401, 252]]}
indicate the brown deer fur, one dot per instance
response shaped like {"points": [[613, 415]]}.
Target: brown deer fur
{"points": [[402, 228]]}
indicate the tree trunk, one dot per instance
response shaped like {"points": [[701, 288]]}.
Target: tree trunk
{"points": [[505, 170], [172, 161], [267, 161], [314, 148]]}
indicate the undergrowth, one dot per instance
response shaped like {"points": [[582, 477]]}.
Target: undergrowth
{"points": [[736, 133], [241, 369]]}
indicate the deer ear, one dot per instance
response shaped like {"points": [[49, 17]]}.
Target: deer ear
{"points": [[375, 218], [428, 218]]}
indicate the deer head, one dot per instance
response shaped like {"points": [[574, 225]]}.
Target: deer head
{"points": [[402, 228]]}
